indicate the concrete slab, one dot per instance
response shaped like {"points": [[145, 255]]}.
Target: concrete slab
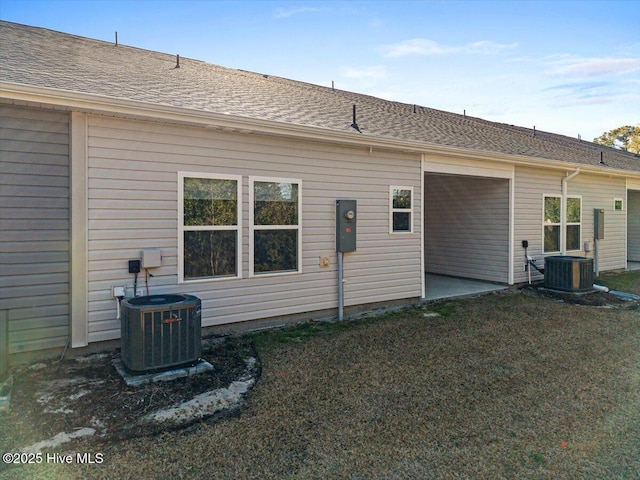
{"points": [[442, 286], [164, 376]]}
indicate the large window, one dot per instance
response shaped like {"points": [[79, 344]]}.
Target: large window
{"points": [[553, 223], [275, 225], [209, 226], [574, 223], [401, 209]]}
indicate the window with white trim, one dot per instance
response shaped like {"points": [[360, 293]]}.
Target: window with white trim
{"points": [[618, 204], [573, 225], [209, 243], [552, 223], [401, 209], [275, 237]]}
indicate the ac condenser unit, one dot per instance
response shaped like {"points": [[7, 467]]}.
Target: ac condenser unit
{"points": [[571, 274], [159, 332]]}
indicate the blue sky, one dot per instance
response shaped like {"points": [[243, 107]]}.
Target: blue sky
{"points": [[570, 67]]}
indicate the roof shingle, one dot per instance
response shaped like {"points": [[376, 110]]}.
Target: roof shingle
{"points": [[45, 58]]}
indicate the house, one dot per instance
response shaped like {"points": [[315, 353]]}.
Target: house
{"points": [[230, 179]]}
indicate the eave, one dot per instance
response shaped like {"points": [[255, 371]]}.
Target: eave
{"points": [[100, 104]]}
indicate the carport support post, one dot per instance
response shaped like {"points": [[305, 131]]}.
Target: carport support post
{"points": [[340, 286]]}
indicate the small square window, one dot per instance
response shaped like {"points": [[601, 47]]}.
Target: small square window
{"points": [[618, 205], [401, 209]]}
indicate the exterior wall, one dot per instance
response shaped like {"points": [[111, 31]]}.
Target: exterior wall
{"points": [[596, 192], [633, 219], [34, 230], [467, 227], [132, 205]]}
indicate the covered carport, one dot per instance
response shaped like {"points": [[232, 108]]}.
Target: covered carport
{"points": [[468, 222]]}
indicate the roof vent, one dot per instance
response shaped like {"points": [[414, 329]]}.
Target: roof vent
{"points": [[177, 61], [355, 123]]}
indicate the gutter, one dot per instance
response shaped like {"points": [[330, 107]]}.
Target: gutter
{"points": [[93, 103]]}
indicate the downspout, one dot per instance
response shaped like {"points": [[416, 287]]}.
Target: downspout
{"points": [[563, 213]]}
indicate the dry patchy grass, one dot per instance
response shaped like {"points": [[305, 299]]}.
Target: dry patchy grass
{"points": [[505, 386]]}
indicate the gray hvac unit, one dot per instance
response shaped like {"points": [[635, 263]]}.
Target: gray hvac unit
{"points": [[159, 332], [567, 273]]}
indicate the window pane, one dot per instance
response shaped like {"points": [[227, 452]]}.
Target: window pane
{"points": [[573, 210], [552, 210], [401, 198], [209, 253], [617, 205], [401, 222], [552, 238], [573, 237], [209, 201], [275, 250], [275, 203]]}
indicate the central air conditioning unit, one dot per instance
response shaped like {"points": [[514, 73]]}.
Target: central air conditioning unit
{"points": [[160, 332], [571, 274]]}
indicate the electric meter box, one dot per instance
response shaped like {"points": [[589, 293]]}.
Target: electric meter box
{"points": [[598, 223], [346, 216]]}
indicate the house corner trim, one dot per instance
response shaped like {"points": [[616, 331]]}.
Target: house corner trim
{"points": [[79, 233]]}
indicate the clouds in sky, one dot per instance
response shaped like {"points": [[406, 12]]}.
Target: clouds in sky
{"points": [[290, 12], [595, 67], [424, 47]]}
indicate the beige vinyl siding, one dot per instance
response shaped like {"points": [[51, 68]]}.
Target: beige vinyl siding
{"points": [[467, 227], [34, 227], [596, 191], [133, 203], [633, 219]]}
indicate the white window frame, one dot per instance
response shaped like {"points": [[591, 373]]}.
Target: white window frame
{"points": [[554, 224], [621, 200], [253, 227], [182, 228], [567, 224], [563, 224], [400, 210]]}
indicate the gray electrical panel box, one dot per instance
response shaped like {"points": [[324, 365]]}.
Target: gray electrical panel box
{"points": [[598, 223], [346, 217]]}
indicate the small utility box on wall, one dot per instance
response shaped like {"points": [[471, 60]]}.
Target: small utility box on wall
{"points": [[598, 223], [346, 225], [151, 258]]}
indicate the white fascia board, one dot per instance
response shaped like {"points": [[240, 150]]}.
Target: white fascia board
{"points": [[91, 103]]}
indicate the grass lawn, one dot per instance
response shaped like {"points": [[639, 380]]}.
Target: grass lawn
{"points": [[511, 385], [625, 282]]}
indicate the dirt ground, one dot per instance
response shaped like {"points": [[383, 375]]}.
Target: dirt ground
{"points": [[57, 398], [519, 384]]}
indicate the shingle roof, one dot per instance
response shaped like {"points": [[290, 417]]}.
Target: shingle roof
{"points": [[44, 58]]}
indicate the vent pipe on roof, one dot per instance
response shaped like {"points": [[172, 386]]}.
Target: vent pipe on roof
{"points": [[414, 108], [332, 87], [534, 130], [177, 61], [355, 123], [601, 159], [116, 39]]}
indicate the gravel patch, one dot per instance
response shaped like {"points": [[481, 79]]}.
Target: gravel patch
{"points": [[511, 385]]}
